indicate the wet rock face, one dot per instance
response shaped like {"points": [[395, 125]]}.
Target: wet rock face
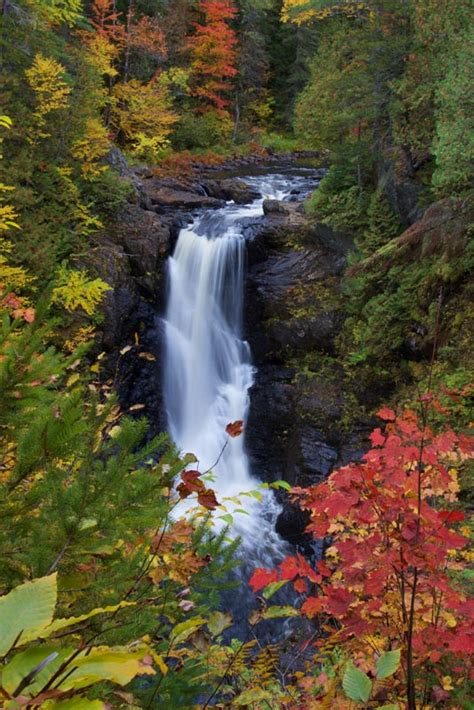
{"points": [[130, 255], [294, 314]]}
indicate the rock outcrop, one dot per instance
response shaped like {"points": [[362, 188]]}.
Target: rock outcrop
{"points": [[304, 415]]}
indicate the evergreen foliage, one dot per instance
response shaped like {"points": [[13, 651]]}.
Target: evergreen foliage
{"points": [[382, 224]]}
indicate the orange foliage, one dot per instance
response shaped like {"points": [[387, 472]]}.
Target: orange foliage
{"points": [[213, 52]]}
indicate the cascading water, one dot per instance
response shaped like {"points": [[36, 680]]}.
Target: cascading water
{"points": [[208, 370]]}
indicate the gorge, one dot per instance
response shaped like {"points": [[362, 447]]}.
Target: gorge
{"points": [[274, 261]]}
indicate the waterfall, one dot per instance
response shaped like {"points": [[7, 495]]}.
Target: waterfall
{"points": [[207, 363], [208, 368]]}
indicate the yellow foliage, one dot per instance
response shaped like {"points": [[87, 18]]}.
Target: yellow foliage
{"points": [[45, 78], [8, 216], [91, 147], [8, 213], [14, 277], [75, 290], [86, 222], [142, 114], [300, 11], [82, 335], [56, 12], [262, 109], [101, 54], [447, 683]]}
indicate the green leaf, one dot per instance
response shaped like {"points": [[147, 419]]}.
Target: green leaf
{"points": [[279, 612], [272, 588], [253, 695], [87, 524], [227, 517], [218, 622], [26, 611], [184, 630], [118, 665], [253, 494], [388, 664], [357, 685], [45, 659], [281, 484], [60, 624], [388, 707]]}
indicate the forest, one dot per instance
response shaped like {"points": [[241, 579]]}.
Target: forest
{"points": [[236, 354]]}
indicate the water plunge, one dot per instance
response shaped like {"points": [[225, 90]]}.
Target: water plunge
{"points": [[208, 368]]}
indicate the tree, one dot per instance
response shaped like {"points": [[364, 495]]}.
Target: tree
{"points": [[387, 580], [142, 116], [213, 52], [453, 146], [253, 102]]}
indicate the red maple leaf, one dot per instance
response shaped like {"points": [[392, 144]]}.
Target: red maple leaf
{"points": [[208, 499], [300, 586], [313, 606], [262, 577], [289, 568], [451, 516], [235, 429], [191, 480], [377, 438], [387, 414]]}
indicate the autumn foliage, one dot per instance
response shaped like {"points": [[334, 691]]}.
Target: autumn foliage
{"points": [[396, 543], [214, 56]]}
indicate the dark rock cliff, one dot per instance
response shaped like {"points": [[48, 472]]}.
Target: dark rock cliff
{"points": [[295, 429]]}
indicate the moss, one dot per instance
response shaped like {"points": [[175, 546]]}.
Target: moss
{"points": [[306, 300]]}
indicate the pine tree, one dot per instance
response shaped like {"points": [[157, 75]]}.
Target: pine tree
{"points": [[383, 224]]}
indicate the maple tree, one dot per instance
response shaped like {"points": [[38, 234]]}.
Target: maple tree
{"points": [[213, 55], [387, 578]]}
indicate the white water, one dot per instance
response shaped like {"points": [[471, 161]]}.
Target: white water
{"points": [[208, 368]]}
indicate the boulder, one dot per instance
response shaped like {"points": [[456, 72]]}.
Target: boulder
{"points": [[231, 189], [277, 207], [146, 241], [292, 523]]}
